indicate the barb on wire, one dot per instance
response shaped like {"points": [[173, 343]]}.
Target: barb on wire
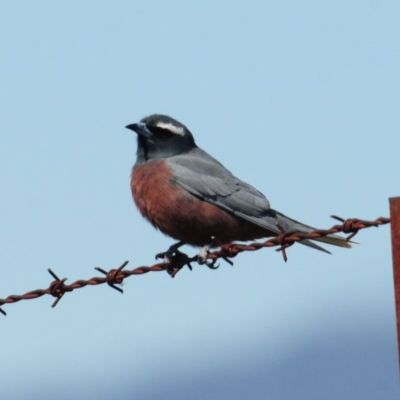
{"points": [[114, 277]]}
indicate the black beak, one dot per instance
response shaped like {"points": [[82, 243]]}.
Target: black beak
{"points": [[140, 129]]}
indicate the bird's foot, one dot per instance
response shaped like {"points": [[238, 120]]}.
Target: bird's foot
{"points": [[202, 257], [168, 255], [175, 259]]}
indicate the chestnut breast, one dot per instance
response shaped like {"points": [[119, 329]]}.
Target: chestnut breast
{"points": [[181, 215]]}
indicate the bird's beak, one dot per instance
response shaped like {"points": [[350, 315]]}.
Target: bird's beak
{"points": [[140, 129]]}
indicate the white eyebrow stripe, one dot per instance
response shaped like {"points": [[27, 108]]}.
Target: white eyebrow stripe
{"points": [[178, 130]]}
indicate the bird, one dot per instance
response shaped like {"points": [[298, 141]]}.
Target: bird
{"points": [[190, 196]]}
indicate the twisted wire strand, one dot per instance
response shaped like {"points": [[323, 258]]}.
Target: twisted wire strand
{"points": [[116, 276]]}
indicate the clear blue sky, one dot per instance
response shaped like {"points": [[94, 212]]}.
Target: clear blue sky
{"points": [[300, 99]]}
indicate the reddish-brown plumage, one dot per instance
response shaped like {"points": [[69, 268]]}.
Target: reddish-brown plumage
{"points": [[181, 215]]}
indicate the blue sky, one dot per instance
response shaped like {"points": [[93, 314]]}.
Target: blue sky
{"points": [[300, 99]]}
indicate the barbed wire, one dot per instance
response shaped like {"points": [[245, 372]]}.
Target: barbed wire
{"points": [[176, 261]]}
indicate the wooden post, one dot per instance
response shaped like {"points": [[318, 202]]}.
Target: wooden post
{"points": [[395, 229]]}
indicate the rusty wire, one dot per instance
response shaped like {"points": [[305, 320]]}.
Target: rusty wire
{"points": [[179, 260]]}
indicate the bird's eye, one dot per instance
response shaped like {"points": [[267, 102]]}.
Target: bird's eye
{"points": [[160, 132]]}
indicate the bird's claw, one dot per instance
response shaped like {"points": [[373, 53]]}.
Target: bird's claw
{"points": [[172, 251], [166, 256], [175, 259], [211, 264], [179, 261], [202, 258]]}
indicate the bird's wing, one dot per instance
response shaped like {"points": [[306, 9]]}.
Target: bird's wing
{"points": [[206, 178]]}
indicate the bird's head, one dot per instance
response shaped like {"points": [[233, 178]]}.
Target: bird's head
{"points": [[160, 136]]}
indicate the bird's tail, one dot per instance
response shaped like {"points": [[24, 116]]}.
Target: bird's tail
{"points": [[335, 240], [291, 225]]}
